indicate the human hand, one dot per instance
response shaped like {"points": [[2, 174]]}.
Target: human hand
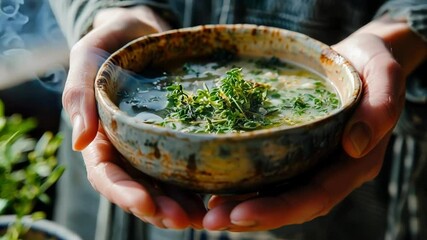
{"points": [[364, 143], [162, 206]]}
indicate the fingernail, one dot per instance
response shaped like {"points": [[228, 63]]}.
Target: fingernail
{"points": [[222, 229], [244, 223], [139, 214], [78, 128], [167, 223], [360, 136]]}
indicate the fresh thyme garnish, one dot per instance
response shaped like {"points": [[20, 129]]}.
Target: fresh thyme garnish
{"points": [[189, 69], [265, 93], [233, 105], [320, 99], [269, 63]]}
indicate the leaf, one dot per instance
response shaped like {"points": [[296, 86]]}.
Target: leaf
{"points": [[38, 215], [1, 109], [22, 145], [3, 204], [53, 177], [44, 198], [28, 167], [3, 122], [42, 169], [42, 144]]}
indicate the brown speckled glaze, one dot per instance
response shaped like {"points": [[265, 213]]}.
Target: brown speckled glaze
{"points": [[226, 163]]}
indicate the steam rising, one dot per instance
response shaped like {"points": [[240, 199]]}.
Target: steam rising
{"points": [[32, 46]]}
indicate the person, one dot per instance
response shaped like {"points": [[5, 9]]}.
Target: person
{"points": [[384, 40]]}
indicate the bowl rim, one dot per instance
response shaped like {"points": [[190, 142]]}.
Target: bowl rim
{"points": [[325, 51]]}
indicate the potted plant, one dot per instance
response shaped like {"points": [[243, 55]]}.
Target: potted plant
{"points": [[28, 167]]}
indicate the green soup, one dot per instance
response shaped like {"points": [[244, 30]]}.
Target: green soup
{"points": [[237, 95]]}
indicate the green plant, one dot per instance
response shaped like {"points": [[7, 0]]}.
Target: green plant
{"points": [[28, 167]]}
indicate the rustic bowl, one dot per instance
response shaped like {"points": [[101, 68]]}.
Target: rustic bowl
{"points": [[225, 163]]}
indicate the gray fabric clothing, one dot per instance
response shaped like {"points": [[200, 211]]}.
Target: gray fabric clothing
{"points": [[75, 16], [407, 209], [363, 214], [76, 203], [413, 11]]}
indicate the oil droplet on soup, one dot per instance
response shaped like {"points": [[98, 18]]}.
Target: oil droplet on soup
{"points": [[237, 95]]}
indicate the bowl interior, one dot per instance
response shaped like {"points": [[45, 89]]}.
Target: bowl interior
{"points": [[242, 40]]}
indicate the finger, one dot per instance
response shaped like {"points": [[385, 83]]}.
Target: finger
{"points": [[114, 183], [169, 214], [85, 58], [383, 93], [218, 218], [216, 200], [379, 108], [191, 203], [303, 204], [137, 193], [78, 96], [175, 211], [184, 208]]}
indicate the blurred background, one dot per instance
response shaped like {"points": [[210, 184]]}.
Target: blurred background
{"points": [[33, 58], [33, 64]]}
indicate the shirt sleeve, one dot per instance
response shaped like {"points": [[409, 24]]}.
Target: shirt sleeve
{"points": [[75, 17], [414, 12]]}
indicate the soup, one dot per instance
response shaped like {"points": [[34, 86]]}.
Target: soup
{"points": [[225, 96]]}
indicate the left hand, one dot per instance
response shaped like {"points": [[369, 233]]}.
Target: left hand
{"points": [[162, 205], [364, 144]]}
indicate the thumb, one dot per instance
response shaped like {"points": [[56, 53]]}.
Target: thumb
{"points": [[78, 97], [382, 97], [85, 58]]}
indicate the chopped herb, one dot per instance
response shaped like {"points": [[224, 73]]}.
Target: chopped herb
{"points": [[222, 57], [232, 105], [323, 101], [256, 71], [275, 94], [269, 63], [190, 69], [255, 93]]}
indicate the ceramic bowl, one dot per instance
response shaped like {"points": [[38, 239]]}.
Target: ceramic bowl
{"points": [[225, 163]]}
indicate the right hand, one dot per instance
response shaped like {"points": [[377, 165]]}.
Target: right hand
{"points": [[360, 162], [164, 207]]}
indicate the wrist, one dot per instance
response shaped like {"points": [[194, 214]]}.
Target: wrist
{"points": [[142, 13], [408, 48]]}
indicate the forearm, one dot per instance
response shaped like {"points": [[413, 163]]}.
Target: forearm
{"points": [[407, 47], [75, 17]]}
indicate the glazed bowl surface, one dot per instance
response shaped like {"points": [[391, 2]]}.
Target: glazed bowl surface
{"points": [[233, 162]]}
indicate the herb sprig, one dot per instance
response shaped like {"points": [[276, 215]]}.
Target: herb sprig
{"points": [[233, 105], [28, 168]]}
